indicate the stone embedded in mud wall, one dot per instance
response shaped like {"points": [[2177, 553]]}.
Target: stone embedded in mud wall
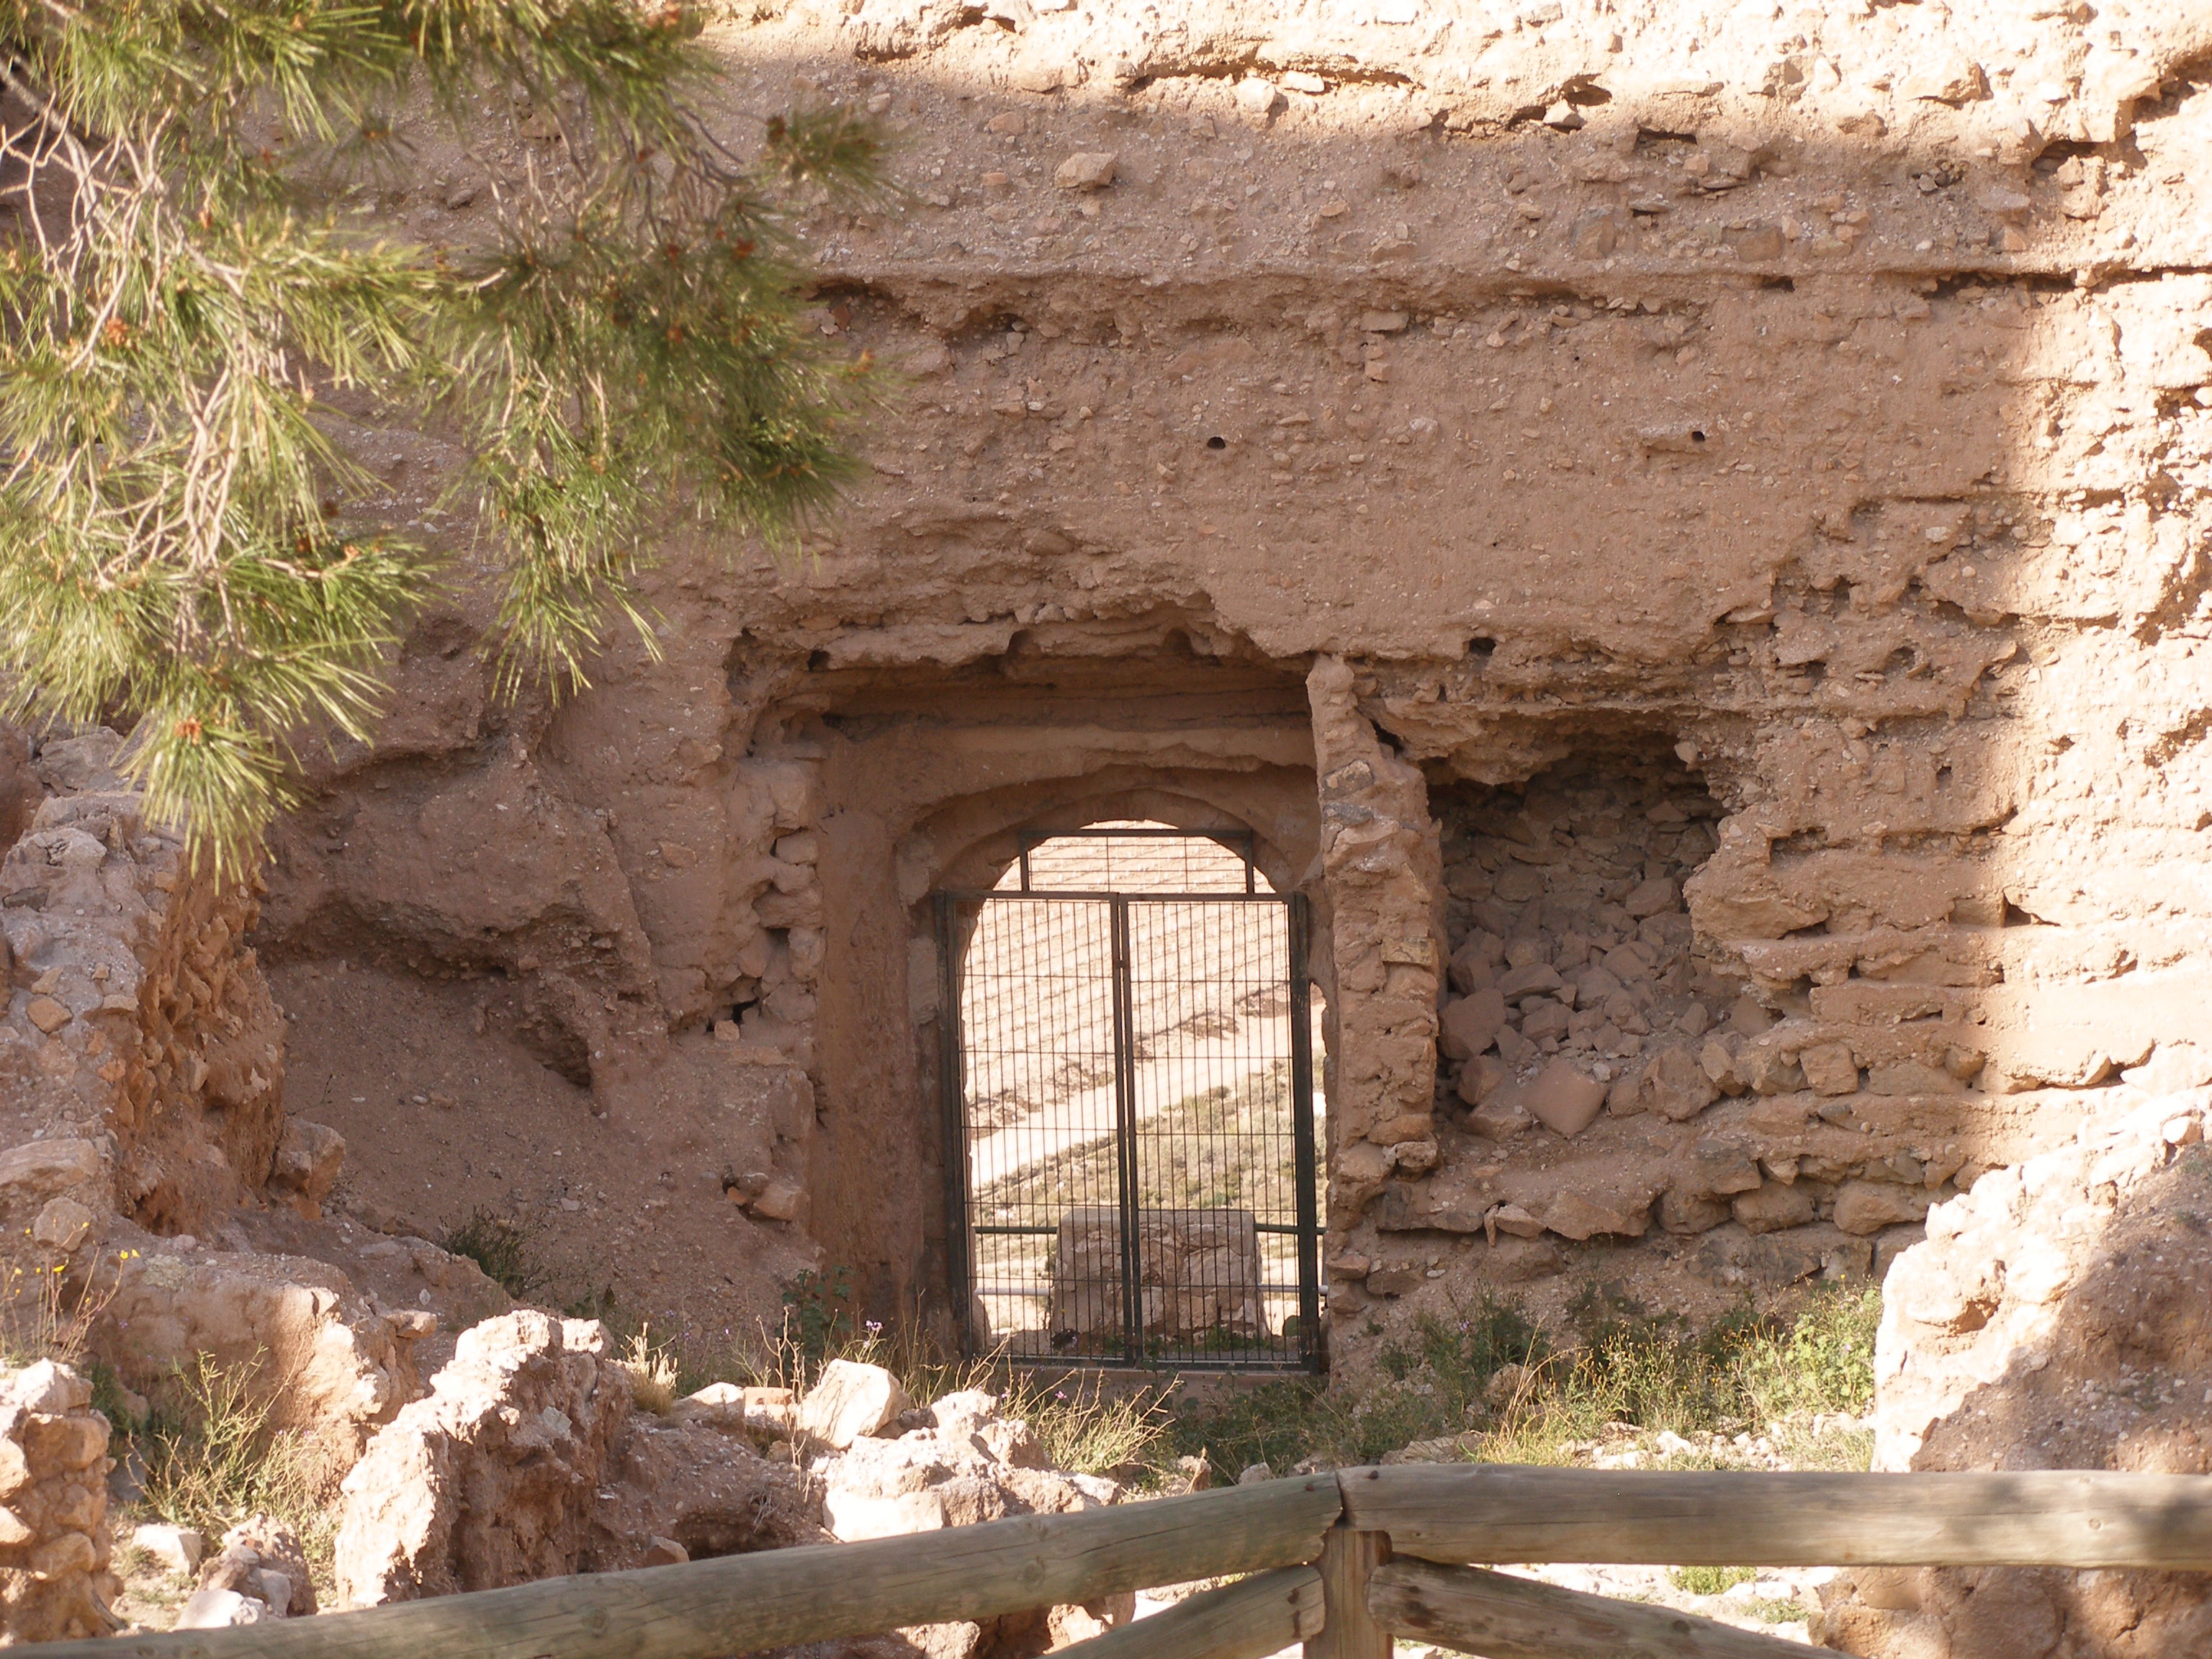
{"points": [[54, 1544], [2055, 1318], [489, 1480]]}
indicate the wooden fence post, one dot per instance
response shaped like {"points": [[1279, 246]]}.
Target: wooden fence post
{"points": [[1349, 1629]]}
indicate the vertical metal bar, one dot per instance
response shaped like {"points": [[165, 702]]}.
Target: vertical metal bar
{"points": [[1025, 863], [953, 1106], [1295, 918], [1125, 1138]]}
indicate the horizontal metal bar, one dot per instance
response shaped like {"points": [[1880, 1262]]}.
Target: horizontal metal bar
{"points": [[1052, 1231], [1086, 896], [1039, 837], [1277, 1361]]}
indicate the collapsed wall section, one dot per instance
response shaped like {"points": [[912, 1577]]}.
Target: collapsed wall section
{"points": [[1811, 396]]}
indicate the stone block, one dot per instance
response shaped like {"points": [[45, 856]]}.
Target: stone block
{"points": [[1868, 1206], [1481, 1078], [1772, 1207], [1675, 1086], [1562, 1098], [1469, 1024], [1198, 1271], [851, 1400], [1829, 1068]]}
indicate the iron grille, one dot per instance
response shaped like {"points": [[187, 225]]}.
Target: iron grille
{"points": [[1130, 1119]]}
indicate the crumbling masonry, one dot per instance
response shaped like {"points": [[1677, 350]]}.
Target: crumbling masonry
{"points": [[1682, 531]]}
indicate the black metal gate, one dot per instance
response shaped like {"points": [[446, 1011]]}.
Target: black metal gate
{"points": [[1129, 1107]]}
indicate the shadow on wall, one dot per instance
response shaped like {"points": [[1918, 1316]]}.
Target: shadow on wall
{"points": [[1683, 412]]}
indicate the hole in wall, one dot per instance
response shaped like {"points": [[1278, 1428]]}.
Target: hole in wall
{"points": [[1566, 900], [1217, 442]]}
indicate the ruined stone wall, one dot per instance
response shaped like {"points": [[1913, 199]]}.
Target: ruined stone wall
{"points": [[140, 1041], [1801, 413]]}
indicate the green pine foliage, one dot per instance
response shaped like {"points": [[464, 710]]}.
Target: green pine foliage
{"points": [[186, 307]]}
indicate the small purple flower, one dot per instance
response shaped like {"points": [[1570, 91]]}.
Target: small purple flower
{"points": [[875, 1328]]}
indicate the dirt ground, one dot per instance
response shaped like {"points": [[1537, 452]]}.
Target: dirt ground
{"points": [[443, 1125]]}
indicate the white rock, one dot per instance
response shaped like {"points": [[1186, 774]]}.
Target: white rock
{"points": [[178, 1548], [1257, 96], [856, 1516], [849, 1400], [49, 1388], [220, 1609]]}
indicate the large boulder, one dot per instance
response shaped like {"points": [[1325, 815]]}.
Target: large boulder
{"points": [[490, 1480], [850, 1401], [2057, 1317], [970, 1462], [331, 1357]]}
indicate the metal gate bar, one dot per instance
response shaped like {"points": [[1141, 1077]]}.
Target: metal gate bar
{"points": [[1131, 1153]]}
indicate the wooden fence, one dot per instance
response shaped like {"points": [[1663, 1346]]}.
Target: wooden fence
{"points": [[1341, 1562]]}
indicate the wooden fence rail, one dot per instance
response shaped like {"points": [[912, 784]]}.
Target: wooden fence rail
{"points": [[1504, 1512], [1323, 1549]]}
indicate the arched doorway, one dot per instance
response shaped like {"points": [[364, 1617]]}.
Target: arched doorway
{"points": [[1131, 1121]]}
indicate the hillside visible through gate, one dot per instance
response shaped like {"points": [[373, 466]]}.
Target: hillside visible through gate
{"points": [[1135, 1058]]}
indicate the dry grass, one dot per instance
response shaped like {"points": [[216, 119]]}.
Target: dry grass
{"points": [[47, 1314], [1081, 1425], [653, 1372], [1497, 1388], [213, 1458]]}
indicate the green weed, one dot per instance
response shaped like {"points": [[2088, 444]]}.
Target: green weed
{"points": [[502, 1248], [1503, 1389], [1775, 1610], [213, 1458], [1708, 1580]]}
